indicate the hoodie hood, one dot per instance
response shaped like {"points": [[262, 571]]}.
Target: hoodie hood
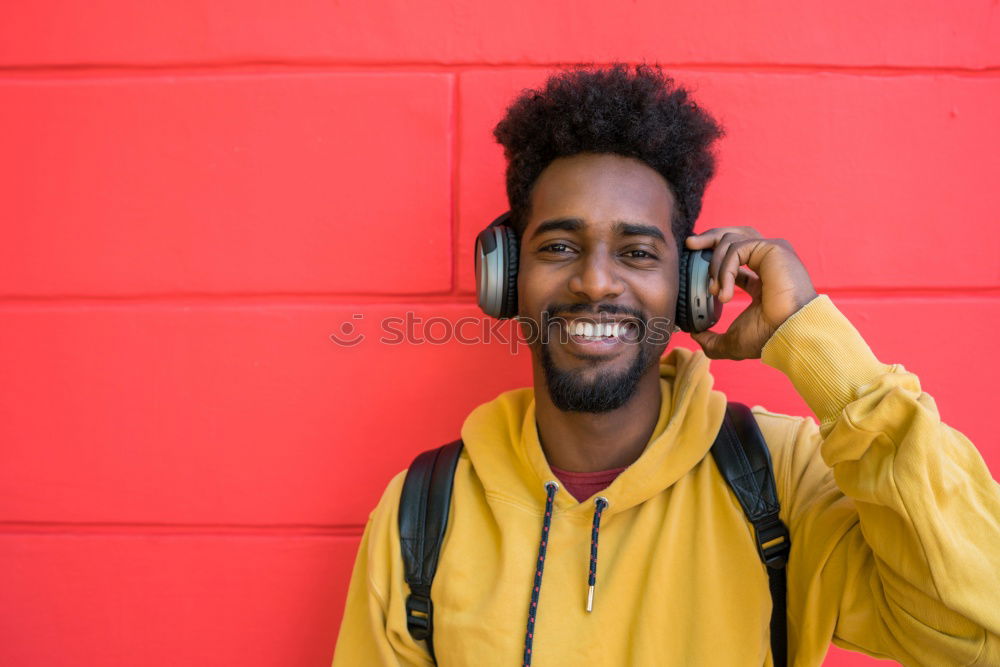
{"points": [[501, 438]]}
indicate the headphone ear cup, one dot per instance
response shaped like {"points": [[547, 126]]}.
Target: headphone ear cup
{"points": [[683, 317], [697, 308], [496, 255], [511, 256]]}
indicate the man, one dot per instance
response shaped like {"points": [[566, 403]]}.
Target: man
{"points": [[894, 517]]}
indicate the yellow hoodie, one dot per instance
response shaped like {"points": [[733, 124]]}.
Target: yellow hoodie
{"points": [[894, 520]]}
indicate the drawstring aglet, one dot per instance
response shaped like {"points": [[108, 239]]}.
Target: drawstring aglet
{"points": [[600, 504]]}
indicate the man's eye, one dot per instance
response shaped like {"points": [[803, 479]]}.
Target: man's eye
{"points": [[555, 247], [643, 254]]}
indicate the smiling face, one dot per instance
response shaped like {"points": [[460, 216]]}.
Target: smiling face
{"points": [[597, 251]]}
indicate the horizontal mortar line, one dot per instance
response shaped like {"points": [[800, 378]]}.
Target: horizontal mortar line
{"points": [[362, 300], [912, 292], [235, 299], [191, 529], [180, 68]]}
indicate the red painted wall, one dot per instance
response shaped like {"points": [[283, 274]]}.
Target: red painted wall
{"points": [[194, 195]]}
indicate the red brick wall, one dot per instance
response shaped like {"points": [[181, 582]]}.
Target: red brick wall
{"points": [[195, 195]]}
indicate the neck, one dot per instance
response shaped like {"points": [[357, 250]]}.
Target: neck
{"points": [[588, 442]]}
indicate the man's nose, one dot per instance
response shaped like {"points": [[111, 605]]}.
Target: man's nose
{"points": [[596, 277]]}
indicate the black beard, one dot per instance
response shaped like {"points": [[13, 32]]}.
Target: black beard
{"points": [[570, 393]]}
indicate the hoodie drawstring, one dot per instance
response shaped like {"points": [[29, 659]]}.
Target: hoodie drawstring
{"points": [[601, 503], [529, 636]]}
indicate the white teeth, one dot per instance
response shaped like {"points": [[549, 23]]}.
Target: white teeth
{"points": [[591, 330]]}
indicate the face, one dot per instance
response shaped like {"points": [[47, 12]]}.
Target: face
{"points": [[597, 250]]}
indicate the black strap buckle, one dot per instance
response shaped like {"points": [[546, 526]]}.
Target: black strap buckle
{"points": [[772, 532], [419, 615]]}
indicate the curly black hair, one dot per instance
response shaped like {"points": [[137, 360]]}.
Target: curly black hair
{"points": [[639, 113]]}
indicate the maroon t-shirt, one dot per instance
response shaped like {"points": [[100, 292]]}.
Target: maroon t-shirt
{"points": [[583, 485]]}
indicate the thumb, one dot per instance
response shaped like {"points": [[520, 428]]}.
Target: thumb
{"points": [[711, 342]]}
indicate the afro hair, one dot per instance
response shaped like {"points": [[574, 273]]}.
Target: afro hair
{"points": [[637, 112]]}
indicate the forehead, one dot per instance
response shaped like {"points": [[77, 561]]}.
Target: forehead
{"points": [[601, 189]]}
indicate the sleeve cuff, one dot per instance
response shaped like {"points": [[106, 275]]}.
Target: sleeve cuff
{"points": [[824, 356]]}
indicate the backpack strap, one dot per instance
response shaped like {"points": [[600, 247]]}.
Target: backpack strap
{"points": [[740, 453], [743, 458], [423, 518]]}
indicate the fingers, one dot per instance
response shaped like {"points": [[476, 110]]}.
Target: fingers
{"points": [[720, 240], [749, 282], [745, 279], [749, 251], [736, 254], [718, 254], [708, 238], [733, 247]]}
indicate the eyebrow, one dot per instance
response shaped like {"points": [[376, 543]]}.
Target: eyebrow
{"points": [[635, 229], [621, 228], [565, 224]]}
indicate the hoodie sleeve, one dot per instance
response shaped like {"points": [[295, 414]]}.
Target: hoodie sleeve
{"points": [[894, 515], [373, 630]]}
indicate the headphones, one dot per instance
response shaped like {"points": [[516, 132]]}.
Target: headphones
{"points": [[497, 255]]}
